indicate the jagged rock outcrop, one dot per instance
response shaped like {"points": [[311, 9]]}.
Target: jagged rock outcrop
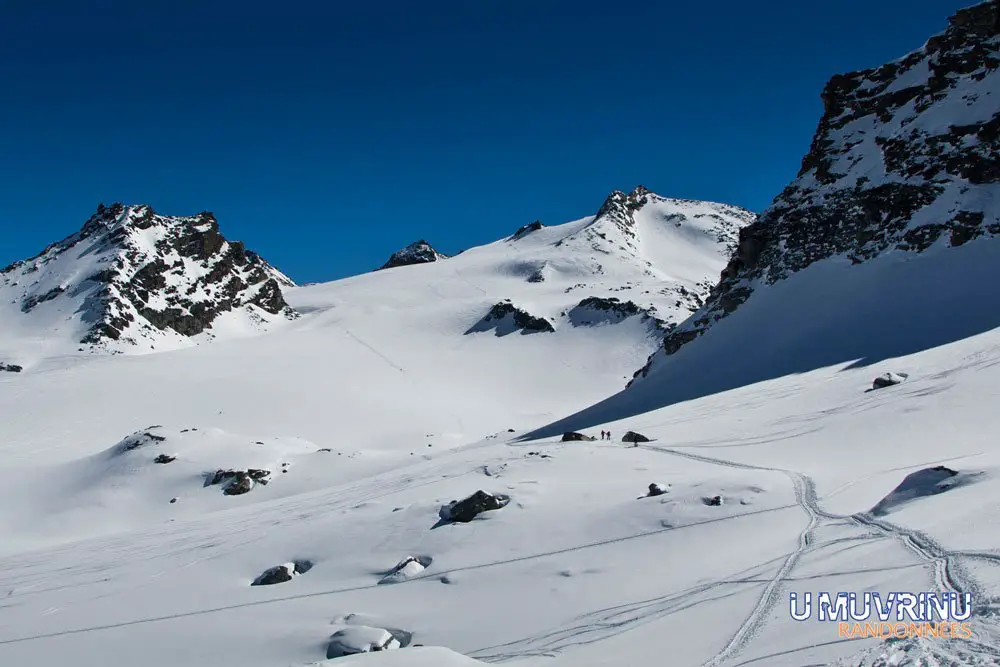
{"points": [[506, 318], [904, 158], [238, 482], [527, 229], [596, 310], [420, 252], [132, 276]]}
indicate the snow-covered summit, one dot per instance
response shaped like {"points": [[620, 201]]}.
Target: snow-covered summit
{"points": [[418, 252], [645, 226], [904, 159], [132, 280]]}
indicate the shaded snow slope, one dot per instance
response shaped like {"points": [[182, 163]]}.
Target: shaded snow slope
{"points": [[832, 313], [135, 281]]}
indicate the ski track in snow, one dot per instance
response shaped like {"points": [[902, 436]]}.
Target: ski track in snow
{"points": [[947, 575]]}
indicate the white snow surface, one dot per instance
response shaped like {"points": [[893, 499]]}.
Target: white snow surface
{"points": [[98, 567]]}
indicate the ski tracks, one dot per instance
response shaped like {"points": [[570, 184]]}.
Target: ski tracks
{"points": [[947, 574]]}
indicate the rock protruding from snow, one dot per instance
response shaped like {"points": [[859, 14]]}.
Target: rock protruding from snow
{"points": [[10, 368], [164, 458], [238, 482], [407, 568], [714, 501], [419, 252], [573, 436], [527, 229], [632, 436], [904, 157], [282, 573], [889, 379], [656, 490], [597, 310], [132, 279], [506, 318], [360, 639], [464, 511]]}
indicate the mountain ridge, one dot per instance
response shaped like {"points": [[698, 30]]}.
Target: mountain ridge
{"points": [[903, 157]]}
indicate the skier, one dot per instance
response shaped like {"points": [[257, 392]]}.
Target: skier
{"points": [[609, 435], [602, 434]]}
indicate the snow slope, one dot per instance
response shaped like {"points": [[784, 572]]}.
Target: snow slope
{"points": [[577, 570], [142, 496]]}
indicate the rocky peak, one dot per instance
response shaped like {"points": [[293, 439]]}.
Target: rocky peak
{"points": [[132, 275], [419, 252], [620, 206], [904, 157], [527, 229]]}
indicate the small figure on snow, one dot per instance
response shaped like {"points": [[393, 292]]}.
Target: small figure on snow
{"points": [[609, 435], [602, 434]]}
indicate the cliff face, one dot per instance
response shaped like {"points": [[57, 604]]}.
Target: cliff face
{"points": [[906, 156]]}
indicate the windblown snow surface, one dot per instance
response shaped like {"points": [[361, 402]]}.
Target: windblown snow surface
{"points": [[374, 409]]}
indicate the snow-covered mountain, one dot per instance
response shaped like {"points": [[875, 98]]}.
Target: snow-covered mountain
{"points": [[418, 252], [133, 281], [296, 497], [903, 166]]}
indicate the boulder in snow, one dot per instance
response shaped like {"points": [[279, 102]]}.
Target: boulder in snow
{"points": [[714, 501], [164, 458], [889, 379], [409, 567], [656, 490], [10, 368], [466, 510], [573, 436], [282, 573], [238, 482], [632, 436], [360, 639]]}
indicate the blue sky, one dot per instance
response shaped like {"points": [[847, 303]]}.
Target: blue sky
{"points": [[327, 135]]}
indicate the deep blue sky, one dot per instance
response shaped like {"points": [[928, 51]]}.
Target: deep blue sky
{"points": [[328, 134]]}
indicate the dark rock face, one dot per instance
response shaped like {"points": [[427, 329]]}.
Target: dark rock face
{"points": [[506, 318], [597, 310], [282, 573], [527, 229], [888, 380], [464, 511], [238, 482], [632, 436], [573, 436], [10, 368], [160, 274], [901, 160], [420, 252]]}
